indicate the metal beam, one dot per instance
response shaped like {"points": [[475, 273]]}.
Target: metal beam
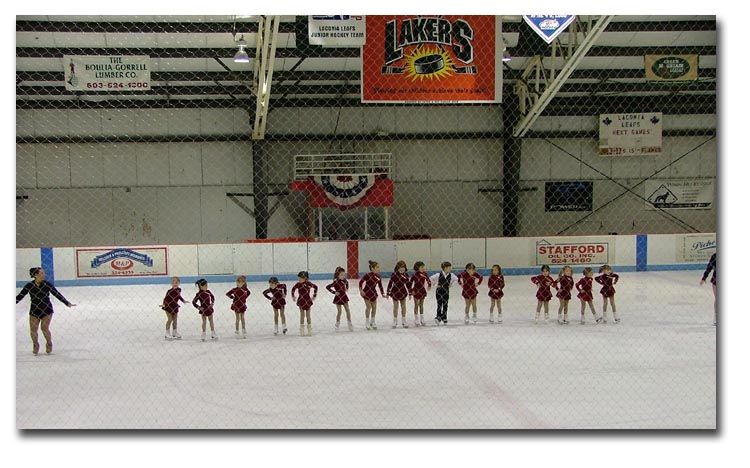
{"points": [[282, 91], [569, 106], [263, 76], [241, 25], [328, 52], [247, 26], [351, 76], [554, 86]]}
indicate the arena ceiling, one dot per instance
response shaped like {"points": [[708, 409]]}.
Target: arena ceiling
{"points": [[192, 64]]}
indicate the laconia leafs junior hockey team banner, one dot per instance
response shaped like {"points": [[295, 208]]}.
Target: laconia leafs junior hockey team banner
{"points": [[432, 58], [121, 261], [345, 192]]}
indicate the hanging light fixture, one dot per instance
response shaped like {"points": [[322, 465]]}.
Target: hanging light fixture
{"points": [[241, 56], [506, 55]]}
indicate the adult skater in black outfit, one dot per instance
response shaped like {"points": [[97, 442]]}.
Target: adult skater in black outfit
{"points": [[711, 266], [41, 310]]}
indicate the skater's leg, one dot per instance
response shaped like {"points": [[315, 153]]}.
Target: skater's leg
{"points": [[283, 317], [34, 331], [211, 322], [174, 322], [338, 313], [307, 314], [301, 316], [242, 320], [169, 320], [348, 313], [367, 311], [236, 321], [45, 323], [203, 323], [395, 309], [403, 309]]}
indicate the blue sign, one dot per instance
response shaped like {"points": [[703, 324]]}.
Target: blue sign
{"points": [[549, 26], [121, 253]]}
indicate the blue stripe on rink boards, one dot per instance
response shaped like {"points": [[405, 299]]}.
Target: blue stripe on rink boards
{"points": [[641, 252], [48, 263]]}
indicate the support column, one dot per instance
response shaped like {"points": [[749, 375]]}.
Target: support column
{"points": [[260, 190], [511, 166]]}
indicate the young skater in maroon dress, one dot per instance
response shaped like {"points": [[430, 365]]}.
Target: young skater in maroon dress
{"points": [[419, 292], [398, 290], [585, 287], [543, 282], [469, 279], [368, 285], [496, 283], [338, 288], [171, 306], [711, 266], [608, 280], [40, 308], [204, 302], [565, 283], [239, 295], [307, 292], [276, 293]]}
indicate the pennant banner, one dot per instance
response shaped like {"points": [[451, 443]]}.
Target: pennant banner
{"points": [[549, 26]]}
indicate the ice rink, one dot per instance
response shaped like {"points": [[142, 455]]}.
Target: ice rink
{"points": [[112, 368]]}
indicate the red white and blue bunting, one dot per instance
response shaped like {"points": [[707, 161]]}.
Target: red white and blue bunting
{"points": [[345, 190]]}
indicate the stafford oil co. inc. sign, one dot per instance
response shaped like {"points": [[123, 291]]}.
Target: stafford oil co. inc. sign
{"points": [[564, 252]]}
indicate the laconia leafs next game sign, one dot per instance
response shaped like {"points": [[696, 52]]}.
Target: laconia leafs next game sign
{"points": [[424, 58]]}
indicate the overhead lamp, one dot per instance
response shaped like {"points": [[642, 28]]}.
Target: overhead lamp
{"points": [[241, 56], [506, 55]]}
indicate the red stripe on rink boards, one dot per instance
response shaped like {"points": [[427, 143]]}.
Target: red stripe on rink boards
{"points": [[352, 259]]}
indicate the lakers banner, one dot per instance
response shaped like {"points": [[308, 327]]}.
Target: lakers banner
{"points": [[671, 67], [432, 59]]}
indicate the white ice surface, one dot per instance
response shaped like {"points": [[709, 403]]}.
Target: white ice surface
{"points": [[112, 368]]}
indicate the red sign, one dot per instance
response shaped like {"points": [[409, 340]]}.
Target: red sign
{"points": [[431, 59]]}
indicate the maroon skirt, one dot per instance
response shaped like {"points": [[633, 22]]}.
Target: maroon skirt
{"points": [[495, 295], [544, 295], [586, 296]]}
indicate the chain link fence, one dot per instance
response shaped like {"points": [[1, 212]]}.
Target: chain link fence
{"points": [[173, 174]]}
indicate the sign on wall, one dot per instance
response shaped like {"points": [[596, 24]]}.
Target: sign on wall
{"points": [[336, 30], [107, 72], [425, 59], [671, 67], [548, 27], [568, 196], [119, 261], [695, 248], [630, 134], [570, 251], [694, 194]]}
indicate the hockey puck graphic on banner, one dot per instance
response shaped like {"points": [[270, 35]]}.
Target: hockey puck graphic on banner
{"points": [[429, 64]]}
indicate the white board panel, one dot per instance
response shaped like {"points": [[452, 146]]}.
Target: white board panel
{"points": [[215, 259]]}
